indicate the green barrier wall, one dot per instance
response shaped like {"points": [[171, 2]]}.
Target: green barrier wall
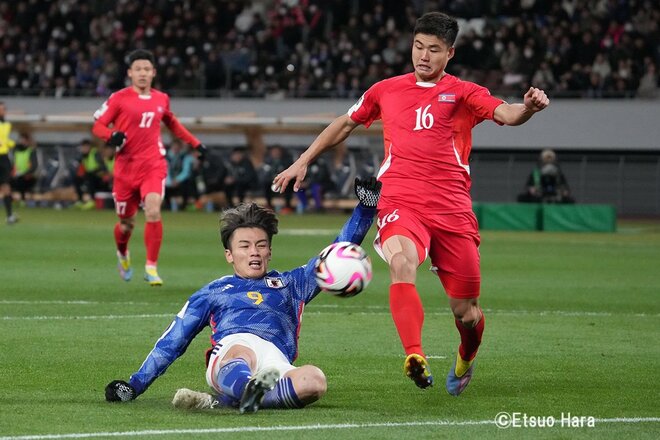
{"points": [[545, 217], [510, 216], [579, 218]]}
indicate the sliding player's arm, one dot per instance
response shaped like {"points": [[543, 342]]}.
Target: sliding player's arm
{"points": [[192, 318]]}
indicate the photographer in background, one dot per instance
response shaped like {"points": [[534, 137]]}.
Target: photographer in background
{"points": [[546, 182]]}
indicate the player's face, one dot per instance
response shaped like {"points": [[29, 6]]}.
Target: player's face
{"points": [[430, 56], [249, 252], [141, 73]]}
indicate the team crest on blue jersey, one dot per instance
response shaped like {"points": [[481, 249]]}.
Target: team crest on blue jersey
{"points": [[447, 97], [275, 283]]}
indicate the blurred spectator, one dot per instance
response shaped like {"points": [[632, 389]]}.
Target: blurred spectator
{"points": [[277, 160], [648, 85], [180, 183], [316, 184], [6, 144], [90, 175], [314, 47], [24, 171], [241, 176], [213, 173], [108, 154], [546, 182]]}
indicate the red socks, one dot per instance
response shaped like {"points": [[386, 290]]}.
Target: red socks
{"points": [[153, 236], [121, 239], [408, 316], [470, 338]]}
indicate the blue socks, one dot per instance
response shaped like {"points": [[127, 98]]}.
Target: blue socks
{"points": [[282, 396], [233, 377]]}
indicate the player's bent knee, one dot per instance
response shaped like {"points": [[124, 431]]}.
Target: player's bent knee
{"points": [[152, 214], [402, 268], [127, 224], [466, 311], [310, 383]]}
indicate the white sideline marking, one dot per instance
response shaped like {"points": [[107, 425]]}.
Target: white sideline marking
{"points": [[294, 428], [73, 318], [75, 302], [311, 309], [339, 309], [308, 232]]}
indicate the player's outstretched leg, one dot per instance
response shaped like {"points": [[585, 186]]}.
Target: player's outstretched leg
{"points": [[417, 369], [124, 266], [151, 276], [262, 382], [459, 376], [189, 399]]}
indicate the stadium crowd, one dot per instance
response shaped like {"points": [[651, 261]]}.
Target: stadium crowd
{"points": [[325, 48]]}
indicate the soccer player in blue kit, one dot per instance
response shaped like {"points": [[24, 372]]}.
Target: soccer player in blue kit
{"points": [[255, 317]]}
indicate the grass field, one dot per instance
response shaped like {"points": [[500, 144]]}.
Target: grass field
{"points": [[573, 326]]}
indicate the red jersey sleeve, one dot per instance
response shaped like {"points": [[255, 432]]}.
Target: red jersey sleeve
{"points": [[105, 116], [177, 127], [367, 109], [480, 102]]}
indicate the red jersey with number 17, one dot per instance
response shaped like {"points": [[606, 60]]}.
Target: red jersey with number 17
{"points": [[139, 117], [427, 131]]}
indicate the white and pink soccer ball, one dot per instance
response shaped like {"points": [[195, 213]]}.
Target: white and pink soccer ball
{"points": [[343, 269]]}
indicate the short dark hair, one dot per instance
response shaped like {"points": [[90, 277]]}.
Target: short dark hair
{"points": [[141, 54], [439, 24], [247, 215]]}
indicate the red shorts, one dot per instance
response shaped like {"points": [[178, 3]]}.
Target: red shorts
{"points": [[451, 240], [131, 184]]}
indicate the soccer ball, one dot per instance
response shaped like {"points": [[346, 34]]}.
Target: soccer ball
{"points": [[343, 269]]}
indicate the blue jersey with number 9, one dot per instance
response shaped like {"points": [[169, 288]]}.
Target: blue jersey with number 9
{"points": [[270, 307]]}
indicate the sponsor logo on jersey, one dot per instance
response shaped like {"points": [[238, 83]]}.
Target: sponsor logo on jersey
{"points": [[447, 97], [275, 283]]}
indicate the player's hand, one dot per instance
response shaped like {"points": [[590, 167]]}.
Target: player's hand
{"points": [[202, 150], [117, 139], [368, 191], [295, 172], [536, 99], [119, 391]]}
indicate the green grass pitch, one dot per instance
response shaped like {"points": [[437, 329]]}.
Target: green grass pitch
{"points": [[572, 326]]}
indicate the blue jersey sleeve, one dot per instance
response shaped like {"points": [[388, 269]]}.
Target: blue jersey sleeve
{"points": [[354, 230], [187, 324]]}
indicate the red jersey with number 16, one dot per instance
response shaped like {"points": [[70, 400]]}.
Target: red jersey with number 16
{"points": [[427, 131], [139, 117]]}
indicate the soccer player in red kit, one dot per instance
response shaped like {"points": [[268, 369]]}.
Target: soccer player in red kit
{"points": [[425, 209], [135, 114]]}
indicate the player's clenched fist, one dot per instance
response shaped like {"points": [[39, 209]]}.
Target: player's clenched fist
{"points": [[536, 99]]}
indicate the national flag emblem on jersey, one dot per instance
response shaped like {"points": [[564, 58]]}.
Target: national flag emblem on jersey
{"points": [[275, 283], [447, 97]]}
